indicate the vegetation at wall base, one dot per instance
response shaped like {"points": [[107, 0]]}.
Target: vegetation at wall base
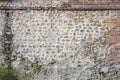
{"points": [[8, 74]]}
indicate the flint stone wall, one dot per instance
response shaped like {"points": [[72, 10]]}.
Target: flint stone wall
{"points": [[63, 43]]}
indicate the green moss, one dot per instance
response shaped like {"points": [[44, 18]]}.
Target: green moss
{"points": [[8, 74]]}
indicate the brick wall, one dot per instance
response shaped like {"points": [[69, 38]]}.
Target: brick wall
{"points": [[69, 4], [92, 2]]}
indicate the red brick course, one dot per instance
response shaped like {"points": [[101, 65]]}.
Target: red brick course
{"points": [[91, 2]]}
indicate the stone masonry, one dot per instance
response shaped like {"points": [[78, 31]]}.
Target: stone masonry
{"points": [[61, 39]]}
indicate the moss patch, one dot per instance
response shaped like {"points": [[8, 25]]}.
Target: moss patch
{"points": [[8, 74]]}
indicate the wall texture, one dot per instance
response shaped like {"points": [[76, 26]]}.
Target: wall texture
{"points": [[63, 39]]}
